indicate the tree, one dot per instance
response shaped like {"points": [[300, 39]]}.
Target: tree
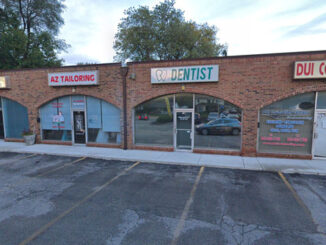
{"points": [[28, 30], [164, 34]]}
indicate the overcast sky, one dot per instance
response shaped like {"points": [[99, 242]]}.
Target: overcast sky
{"points": [[247, 26]]}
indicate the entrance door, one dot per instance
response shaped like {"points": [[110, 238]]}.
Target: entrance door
{"points": [[184, 130], [79, 127], [320, 135], [1, 126]]}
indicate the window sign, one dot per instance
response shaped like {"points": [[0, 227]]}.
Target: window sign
{"points": [[78, 102], [73, 78], [185, 74], [286, 126]]}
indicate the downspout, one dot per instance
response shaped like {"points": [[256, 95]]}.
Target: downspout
{"points": [[124, 72]]}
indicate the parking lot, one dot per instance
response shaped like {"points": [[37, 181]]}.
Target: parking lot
{"points": [[66, 200]]}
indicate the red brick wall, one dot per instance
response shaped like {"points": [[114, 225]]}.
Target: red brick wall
{"points": [[249, 82], [30, 88]]}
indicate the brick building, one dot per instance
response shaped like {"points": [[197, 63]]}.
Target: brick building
{"points": [[267, 105]]}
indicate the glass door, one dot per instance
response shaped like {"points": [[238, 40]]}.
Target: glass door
{"points": [[320, 135], [1, 126], [184, 130], [79, 127]]}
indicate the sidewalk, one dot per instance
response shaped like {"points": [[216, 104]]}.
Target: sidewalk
{"points": [[182, 158]]}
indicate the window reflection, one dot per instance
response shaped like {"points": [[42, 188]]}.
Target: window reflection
{"points": [[154, 122], [218, 123]]}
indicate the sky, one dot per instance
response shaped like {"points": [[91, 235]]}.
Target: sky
{"points": [[246, 26]]}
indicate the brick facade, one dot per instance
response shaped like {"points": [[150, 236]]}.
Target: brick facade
{"points": [[29, 87], [249, 82]]}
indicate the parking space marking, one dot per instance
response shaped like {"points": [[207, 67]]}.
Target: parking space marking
{"points": [[16, 160], [76, 205], [60, 167], [185, 212], [296, 196], [42, 174]]}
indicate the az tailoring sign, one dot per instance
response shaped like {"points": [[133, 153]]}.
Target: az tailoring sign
{"points": [[73, 78], [184, 74]]}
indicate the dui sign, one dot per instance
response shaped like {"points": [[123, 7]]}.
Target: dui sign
{"points": [[184, 74]]}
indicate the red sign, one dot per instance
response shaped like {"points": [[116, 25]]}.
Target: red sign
{"points": [[310, 69]]}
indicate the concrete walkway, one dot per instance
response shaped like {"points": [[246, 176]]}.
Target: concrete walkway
{"points": [[317, 167]]}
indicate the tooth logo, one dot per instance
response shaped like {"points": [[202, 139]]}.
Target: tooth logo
{"points": [[161, 75]]}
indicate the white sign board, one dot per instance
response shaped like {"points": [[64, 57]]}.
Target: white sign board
{"points": [[4, 82], [184, 74], [310, 69], [73, 78]]}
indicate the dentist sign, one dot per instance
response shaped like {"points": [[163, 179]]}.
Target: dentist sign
{"points": [[185, 74]]}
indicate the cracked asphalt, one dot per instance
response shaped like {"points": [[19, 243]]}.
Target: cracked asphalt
{"points": [[65, 200]]}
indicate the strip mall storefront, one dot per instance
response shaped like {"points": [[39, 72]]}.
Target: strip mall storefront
{"points": [[256, 105]]}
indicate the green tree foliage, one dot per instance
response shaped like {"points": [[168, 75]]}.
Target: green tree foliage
{"points": [[164, 34], [28, 30]]}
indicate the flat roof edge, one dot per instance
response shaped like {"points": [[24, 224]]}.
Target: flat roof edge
{"points": [[231, 56], [61, 67]]}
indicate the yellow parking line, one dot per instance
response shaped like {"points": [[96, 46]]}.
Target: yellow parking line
{"points": [[76, 205], [42, 174], [60, 167], [16, 160], [184, 215], [295, 194]]}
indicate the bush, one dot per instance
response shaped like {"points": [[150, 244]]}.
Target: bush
{"points": [[164, 119]]}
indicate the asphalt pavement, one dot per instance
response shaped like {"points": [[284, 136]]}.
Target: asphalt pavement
{"points": [[47, 199]]}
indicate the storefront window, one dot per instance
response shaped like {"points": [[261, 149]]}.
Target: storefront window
{"points": [[321, 100], [286, 126], [184, 101], [154, 122], [217, 124], [103, 121], [15, 119], [56, 119]]}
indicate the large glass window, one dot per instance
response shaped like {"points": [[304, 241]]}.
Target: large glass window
{"points": [[184, 101], [321, 100], [15, 119], [56, 119], [103, 121], [154, 122], [286, 126], [217, 124]]}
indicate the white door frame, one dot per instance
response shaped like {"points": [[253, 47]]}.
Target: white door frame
{"points": [[317, 111], [192, 111]]}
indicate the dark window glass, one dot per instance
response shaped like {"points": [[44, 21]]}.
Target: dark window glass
{"points": [[321, 100], [286, 125], [211, 130], [153, 122], [184, 101]]}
